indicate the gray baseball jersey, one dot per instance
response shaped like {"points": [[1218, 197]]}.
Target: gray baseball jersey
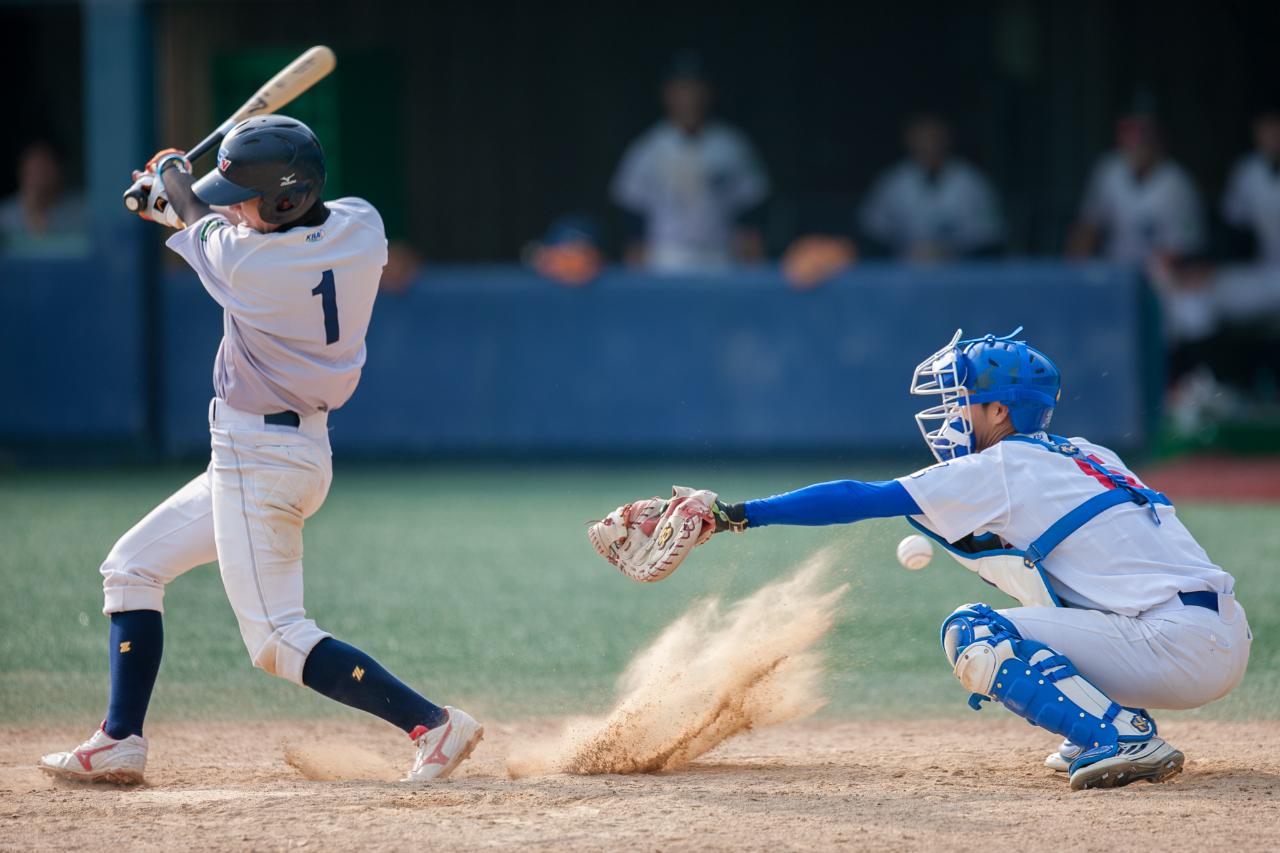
{"points": [[296, 305], [1253, 201], [1159, 212]]}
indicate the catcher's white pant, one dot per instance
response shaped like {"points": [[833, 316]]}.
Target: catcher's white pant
{"points": [[1173, 656], [246, 511]]}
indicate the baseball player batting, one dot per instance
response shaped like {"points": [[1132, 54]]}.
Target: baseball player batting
{"points": [[296, 277], [1121, 609]]}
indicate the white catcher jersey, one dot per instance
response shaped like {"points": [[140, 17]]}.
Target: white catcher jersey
{"points": [[1121, 561], [296, 305]]}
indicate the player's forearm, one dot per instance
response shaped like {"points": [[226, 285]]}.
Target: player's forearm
{"points": [[838, 502], [177, 186]]}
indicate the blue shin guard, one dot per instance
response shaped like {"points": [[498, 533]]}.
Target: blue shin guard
{"points": [[993, 661]]}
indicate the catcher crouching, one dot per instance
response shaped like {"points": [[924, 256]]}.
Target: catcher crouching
{"points": [[1121, 609]]}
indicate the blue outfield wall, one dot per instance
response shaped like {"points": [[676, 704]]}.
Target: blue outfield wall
{"points": [[497, 360], [71, 342], [74, 343]]}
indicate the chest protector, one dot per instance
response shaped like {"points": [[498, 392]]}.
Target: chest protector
{"points": [[1020, 573]]}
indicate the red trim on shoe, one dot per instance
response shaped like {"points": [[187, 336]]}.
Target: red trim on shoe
{"points": [[437, 755], [420, 730], [83, 755]]}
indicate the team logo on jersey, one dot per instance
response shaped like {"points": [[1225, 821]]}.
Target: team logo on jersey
{"points": [[288, 180], [209, 227]]}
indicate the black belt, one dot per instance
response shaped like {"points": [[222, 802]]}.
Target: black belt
{"points": [[1200, 599], [291, 419]]}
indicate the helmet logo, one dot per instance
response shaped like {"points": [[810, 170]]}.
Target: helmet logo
{"points": [[288, 180], [224, 164]]}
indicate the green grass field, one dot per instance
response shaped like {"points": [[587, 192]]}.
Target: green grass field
{"points": [[477, 585]]}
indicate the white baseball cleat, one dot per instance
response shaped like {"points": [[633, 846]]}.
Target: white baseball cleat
{"points": [[101, 758], [443, 748], [1060, 761], [1153, 760]]}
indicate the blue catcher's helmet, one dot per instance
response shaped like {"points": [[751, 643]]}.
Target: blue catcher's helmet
{"points": [[273, 158], [983, 370]]}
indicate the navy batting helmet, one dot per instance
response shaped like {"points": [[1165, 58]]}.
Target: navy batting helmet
{"points": [[274, 158]]}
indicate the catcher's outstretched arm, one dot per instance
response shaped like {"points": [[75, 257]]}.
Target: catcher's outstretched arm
{"points": [[837, 502]]}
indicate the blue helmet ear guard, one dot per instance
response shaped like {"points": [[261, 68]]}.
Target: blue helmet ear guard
{"points": [[983, 370]]}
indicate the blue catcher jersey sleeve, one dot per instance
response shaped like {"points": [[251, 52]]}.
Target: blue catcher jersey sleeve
{"points": [[836, 502]]}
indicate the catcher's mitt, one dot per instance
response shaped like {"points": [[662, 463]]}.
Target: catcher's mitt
{"points": [[648, 539]]}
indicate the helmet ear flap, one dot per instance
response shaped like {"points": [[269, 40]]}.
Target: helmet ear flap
{"points": [[282, 207]]}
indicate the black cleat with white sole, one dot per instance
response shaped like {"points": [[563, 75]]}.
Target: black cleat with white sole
{"points": [[1153, 760]]}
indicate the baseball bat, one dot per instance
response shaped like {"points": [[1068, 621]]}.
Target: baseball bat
{"points": [[291, 81]]}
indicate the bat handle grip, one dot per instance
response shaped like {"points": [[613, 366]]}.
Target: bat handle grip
{"points": [[134, 200]]}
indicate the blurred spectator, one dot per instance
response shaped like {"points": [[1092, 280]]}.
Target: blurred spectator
{"points": [[691, 179], [1252, 200], [1222, 326], [1139, 201], [932, 205], [41, 217], [569, 252]]}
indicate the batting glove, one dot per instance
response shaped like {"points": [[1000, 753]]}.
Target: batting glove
{"points": [[166, 157], [157, 207]]}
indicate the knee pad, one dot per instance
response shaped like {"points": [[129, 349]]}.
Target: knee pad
{"points": [[992, 660], [970, 622]]}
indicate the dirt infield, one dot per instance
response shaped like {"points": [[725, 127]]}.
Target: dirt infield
{"points": [[802, 786]]}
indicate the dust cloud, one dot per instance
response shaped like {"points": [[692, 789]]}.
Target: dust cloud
{"points": [[713, 673], [322, 761]]}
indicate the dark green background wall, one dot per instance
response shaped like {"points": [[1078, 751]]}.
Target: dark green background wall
{"points": [[473, 124]]}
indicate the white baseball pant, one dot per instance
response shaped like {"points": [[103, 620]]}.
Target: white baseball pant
{"points": [[246, 511], [1173, 656]]}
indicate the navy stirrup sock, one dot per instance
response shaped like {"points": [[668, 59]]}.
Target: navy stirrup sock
{"points": [[348, 675], [136, 643]]}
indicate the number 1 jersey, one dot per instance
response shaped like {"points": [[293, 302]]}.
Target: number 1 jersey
{"points": [[296, 305]]}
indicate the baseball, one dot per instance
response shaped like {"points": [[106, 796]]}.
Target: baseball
{"points": [[915, 552]]}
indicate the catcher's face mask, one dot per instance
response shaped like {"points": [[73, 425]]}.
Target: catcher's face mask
{"points": [[946, 427]]}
